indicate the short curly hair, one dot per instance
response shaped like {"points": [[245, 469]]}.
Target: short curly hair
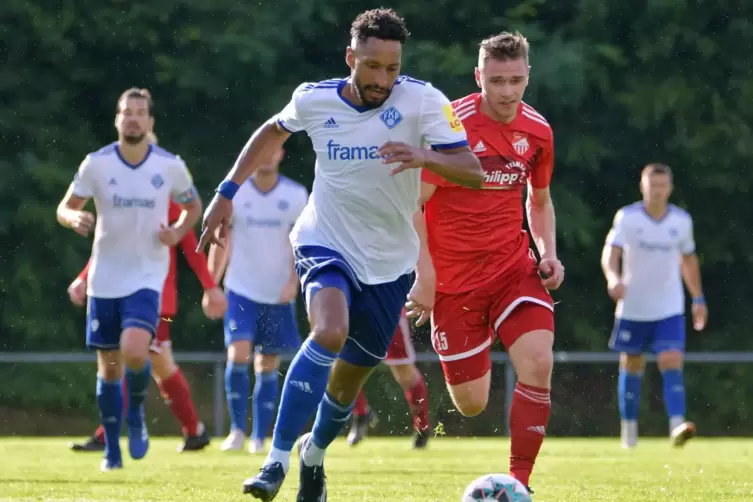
{"points": [[384, 24]]}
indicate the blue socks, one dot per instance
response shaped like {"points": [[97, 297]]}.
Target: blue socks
{"points": [[266, 390], [237, 388], [330, 419], [138, 384], [629, 394], [674, 393], [305, 383], [110, 404]]}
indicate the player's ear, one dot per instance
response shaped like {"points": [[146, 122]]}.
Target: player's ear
{"points": [[477, 74], [350, 58]]}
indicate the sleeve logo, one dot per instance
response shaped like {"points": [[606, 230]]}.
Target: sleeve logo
{"points": [[455, 124]]}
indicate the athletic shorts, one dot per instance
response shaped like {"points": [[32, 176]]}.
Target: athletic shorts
{"points": [[271, 329], [464, 325], [374, 309], [107, 318], [401, 349], [638, 337]]}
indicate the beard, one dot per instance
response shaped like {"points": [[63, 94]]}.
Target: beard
{"points": [[134, 139], [361, 92]]}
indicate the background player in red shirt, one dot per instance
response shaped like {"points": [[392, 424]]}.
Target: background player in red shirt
{"points": [[401, 358], [488, 283], [167, 374]]}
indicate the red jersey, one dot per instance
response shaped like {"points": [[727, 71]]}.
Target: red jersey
{"points": [[197, 262], [476, 235]]}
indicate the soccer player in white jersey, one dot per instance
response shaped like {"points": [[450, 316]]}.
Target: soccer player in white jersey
{"points": [[131, 182], [262, 286], [648, 252], [355, 243]]}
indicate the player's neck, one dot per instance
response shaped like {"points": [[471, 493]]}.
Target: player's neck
{"points": [[266, 181], [657, 210], [349, 93], [133, 154], [489, 112]]}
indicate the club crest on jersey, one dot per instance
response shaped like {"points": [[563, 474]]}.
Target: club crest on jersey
{"points": [[283, 205], [520, 143], [391, 117], [157, 181]]}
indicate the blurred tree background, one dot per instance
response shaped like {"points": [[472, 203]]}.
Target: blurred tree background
{"points": [[622, 84]]}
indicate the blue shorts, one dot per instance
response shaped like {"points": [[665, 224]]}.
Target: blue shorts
{"points": [[375, 309], [108, 317], [272, 329], [638, 337]]}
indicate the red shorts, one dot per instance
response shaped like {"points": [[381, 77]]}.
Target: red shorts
{"points": [[401, 349], [162, 339], [464, 324]]}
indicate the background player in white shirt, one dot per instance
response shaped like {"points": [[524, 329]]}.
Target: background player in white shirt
{"points": [[131, 182], [262, 286], [355, 243], [648, 252]]}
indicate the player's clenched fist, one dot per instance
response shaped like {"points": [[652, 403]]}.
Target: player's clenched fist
{"points": [[77, 292], [216, 222], [82, 223], [408, 156], [168, 236], [214, 303], [616, 290], [553, 273]]}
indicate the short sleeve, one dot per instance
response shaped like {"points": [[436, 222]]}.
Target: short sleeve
{"points": [[542, 170], [290, 117], [83, 181], [439, 125], [182, 188], [687, 244], [616, 235]]}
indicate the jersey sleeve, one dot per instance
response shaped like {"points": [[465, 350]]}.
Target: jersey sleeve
{"points": [[83, 181], [439, 126], [542, 171], [616, 235], [182, 188], [687, 244], [290, 117]]}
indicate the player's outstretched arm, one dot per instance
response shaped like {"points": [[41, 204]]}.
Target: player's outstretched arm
{"points": [[219, 257], [260, 149]]}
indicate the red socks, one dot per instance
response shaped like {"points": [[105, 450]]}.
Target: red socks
{"points": [[177, 395], [361, 407], [529, 417], [418, 400]]}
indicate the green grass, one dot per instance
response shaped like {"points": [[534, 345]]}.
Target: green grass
{"points": [[388, 470]]}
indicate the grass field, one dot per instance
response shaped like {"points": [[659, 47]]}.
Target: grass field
{"points": [[388, 470]]}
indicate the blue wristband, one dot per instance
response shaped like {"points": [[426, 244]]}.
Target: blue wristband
{"points": [[699, 301], [228, 189]]}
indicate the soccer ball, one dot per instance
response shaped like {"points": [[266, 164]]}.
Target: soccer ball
{"points": [[496, 487]]}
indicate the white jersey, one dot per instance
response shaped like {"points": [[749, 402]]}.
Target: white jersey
{"points": [[132, 203], [261, 257], [356, 207], [651, 255]]}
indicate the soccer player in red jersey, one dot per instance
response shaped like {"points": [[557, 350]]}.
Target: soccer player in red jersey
{"points": [[488, 284], [167, 374], [401, 358]]}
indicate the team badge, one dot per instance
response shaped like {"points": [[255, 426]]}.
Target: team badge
{"points": [[283, 205], [391, 117], [157, 181], [520, 143]]}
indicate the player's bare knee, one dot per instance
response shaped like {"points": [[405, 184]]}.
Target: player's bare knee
{"points": [[471, 398], [163, 365], [406, 375], [239, 352], [134, 345], [330, 335], [266, 363], [632, 363], [669, 360], [536, 367]]}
